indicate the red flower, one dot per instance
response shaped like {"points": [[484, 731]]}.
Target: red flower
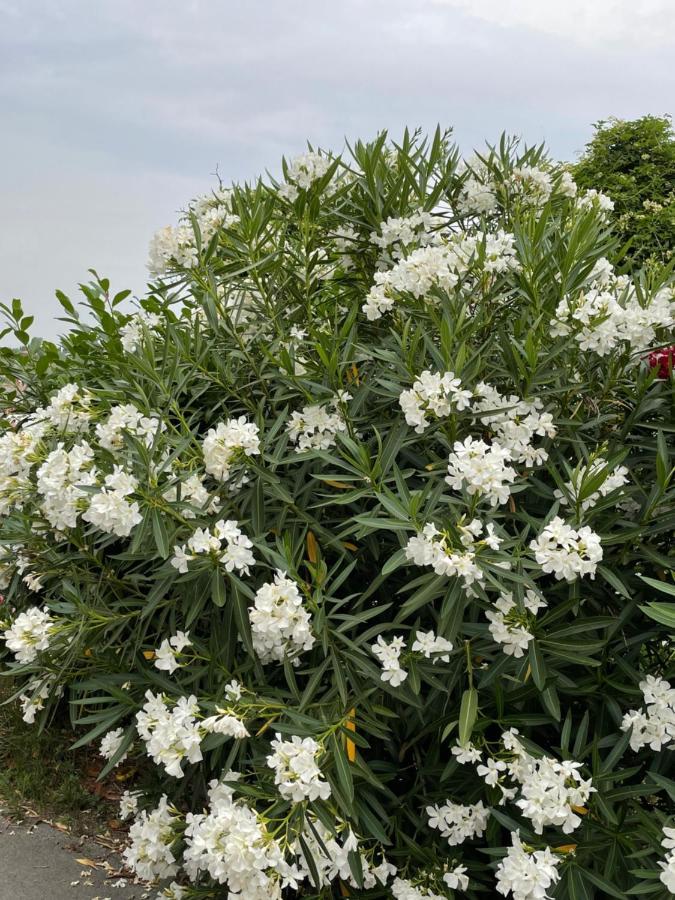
{"points": [[663, 360]]}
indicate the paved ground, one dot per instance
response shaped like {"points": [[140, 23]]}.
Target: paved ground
{"points": [[38, 862]]}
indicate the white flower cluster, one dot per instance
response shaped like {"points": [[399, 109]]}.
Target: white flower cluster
{"points": [[613, 481], [59, 481], [655, 725], [314, 427], [129, 805], [178, 246], [668, 865], [296, 772], [548, 791], [281, 627], [525, 874], [481, 469], [389, 656], [427, 643], [166, 655], [151, 837], [193, 493], [227, 443], [433, 393], [33, 699], [458, 823], [566, 552], [592, 199], [331, 858], [235, 555], [477, 197], [126, 418], [531, 184], [609, 313], [403, 889], [131, 334], [232, 844], [111, 743], [68, 411], [29, 634], [109, 510], [396, 234], [442, 266], [509, 623], [170, 735], [515, 422], [17, 456], [302, 172], [438, 549]]}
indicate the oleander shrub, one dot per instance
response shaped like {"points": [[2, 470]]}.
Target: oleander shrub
{"points": [[633, 162], [349, 527]]}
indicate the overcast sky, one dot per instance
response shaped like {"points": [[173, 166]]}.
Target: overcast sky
{"points": [[115, 112]]}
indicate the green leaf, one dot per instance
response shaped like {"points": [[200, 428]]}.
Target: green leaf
{"points": [[467, 715], [537, 665], [218, 589], [159, 532]]}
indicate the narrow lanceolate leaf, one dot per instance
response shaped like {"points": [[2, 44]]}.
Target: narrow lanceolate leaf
{"points": [[160, 533], [537, 665], [467, 714]]}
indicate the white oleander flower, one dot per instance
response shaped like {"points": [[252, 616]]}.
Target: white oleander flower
{"points": [[131, 334], [388, 654], [152, 836], [433, 394], [526, 875], [466, 753], [667, 876], [458, 823], [481, 470], [429, 644], [436, 549], [281, 627], [315, 428], [59, 483], [129, 805], [457, 879], [109, 510], [565, 552], [170, 735], [613, 481], [111, 743], [232, 845], [509, 624], [654, 726], [228, 443], [29, 634], [296, 772], [403, 889], [225, 542], [33, 699], [169, 649]]}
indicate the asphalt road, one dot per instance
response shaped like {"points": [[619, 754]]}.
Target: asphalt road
{"points": [[38, 862]]}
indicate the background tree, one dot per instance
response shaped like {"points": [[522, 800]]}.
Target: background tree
{"points": [[634, 164]]}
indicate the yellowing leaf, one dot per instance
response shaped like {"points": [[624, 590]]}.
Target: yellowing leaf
{"points": [[565, 848], [88, 653], [349, 546], [85, 861], [340, 485], [149, 654], [312, 548], [580, 810], [351, 726]]}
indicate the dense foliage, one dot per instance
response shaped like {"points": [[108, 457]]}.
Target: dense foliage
{"points": [[633, 162], [349, 529]]}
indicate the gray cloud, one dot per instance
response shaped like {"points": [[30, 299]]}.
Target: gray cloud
{"points": [[116, 112]]}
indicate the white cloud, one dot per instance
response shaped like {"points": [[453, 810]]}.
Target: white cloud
{"points": [[595, 23]]}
